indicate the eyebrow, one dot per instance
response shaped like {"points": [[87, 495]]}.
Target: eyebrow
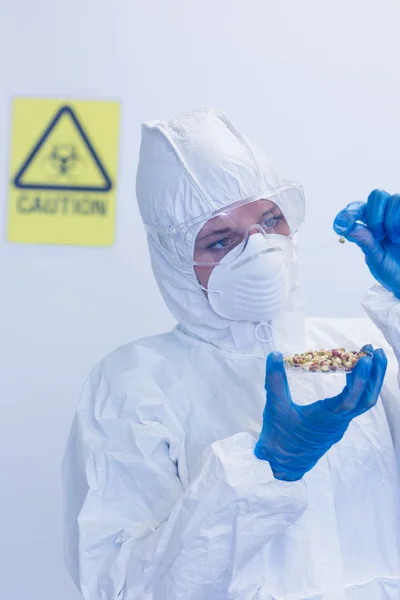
{"points": [[228, 229], [216, 232]]}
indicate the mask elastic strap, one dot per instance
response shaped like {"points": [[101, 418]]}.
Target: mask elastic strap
{"points": [[209, 291]]}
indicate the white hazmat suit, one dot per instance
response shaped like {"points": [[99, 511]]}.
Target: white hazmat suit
{"points": [[164, 498]]}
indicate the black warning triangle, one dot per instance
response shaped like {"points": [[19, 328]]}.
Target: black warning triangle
{"points": [[64, 110]]}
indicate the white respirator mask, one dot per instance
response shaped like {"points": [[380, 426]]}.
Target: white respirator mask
{"points": [[255, 285]]}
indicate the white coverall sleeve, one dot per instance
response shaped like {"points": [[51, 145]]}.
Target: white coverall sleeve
{"points": [[137, 529], [383, 308]]}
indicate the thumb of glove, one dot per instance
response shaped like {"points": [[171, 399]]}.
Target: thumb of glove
{"points": [[363, 237], [346, 224], [276, 384]]}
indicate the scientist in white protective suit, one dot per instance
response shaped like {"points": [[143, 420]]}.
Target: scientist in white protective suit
{"points": [[191, 471]]}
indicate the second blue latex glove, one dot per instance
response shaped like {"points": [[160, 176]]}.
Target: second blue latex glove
{"points": [[293, 438], [375, 227]]}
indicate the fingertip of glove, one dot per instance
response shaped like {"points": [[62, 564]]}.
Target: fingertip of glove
{"points": [[363, 367], [368, 348], [342, 223], [381, 355], [274, 358], [381, 352], [378, 193]]}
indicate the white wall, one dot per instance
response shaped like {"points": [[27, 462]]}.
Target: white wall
{"points": [[315, 83]]}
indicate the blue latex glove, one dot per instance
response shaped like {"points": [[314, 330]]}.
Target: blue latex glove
{"points": [[378, 235], [293, 438]]}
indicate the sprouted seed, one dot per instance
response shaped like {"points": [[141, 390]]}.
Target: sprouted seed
{"points": [[324, 361], [342, 240]]}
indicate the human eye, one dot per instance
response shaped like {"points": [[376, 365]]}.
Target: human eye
{"points": [[221, 244], [272, 221]]}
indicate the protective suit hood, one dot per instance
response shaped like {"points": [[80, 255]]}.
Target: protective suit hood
{"points": [[189, 166]]}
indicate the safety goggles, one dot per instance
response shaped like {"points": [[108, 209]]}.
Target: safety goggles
{"points": [[223, 234]]}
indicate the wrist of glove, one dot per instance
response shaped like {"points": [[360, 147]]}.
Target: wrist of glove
{"points": [[293, 438]]}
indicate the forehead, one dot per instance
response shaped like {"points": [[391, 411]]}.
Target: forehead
{"points": [[239, 217]]}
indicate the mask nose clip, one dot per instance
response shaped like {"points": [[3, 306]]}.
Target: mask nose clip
{"points": [[254, 230]]}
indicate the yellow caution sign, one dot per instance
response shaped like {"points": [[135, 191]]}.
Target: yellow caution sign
{"points": [[63, 172]]}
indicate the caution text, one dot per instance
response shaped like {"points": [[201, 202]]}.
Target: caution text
{"points": [[61, 205]]}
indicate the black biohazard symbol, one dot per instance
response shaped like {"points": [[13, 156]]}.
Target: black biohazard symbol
{"points": [[63, 158]]}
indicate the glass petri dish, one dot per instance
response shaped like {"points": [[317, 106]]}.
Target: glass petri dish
{"points": [[323, 361]]}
